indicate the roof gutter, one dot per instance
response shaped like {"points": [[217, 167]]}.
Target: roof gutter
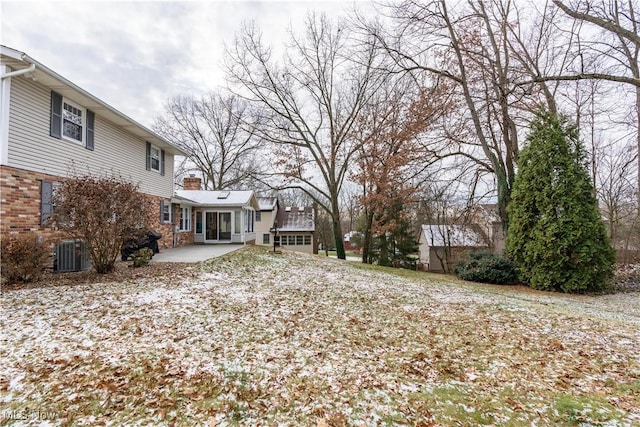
{"points": [[30, 69]]}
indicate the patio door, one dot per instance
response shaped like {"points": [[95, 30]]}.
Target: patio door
{"points": [[217, 226]]}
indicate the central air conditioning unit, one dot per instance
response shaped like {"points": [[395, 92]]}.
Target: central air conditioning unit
{"points": [[71, 255]]}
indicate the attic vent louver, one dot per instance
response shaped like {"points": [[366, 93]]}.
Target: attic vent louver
{"points": [[223, 195]]}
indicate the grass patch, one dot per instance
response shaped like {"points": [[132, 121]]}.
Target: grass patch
{"points": [[260, 338]]}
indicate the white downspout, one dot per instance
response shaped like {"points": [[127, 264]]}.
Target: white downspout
{"points": [[31, 69]]}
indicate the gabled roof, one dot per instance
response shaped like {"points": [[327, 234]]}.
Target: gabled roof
{"points": [[17, 60], [267, 203], [453, 235], [296, 219], [209, 198]]}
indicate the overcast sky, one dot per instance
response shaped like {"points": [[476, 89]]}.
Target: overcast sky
{"points": [[135, 54]]}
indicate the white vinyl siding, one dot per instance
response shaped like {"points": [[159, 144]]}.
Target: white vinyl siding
{"points": [[32, 148]]}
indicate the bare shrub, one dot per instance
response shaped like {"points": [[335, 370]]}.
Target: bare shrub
{"points": [[102, 211], [23, 258]]}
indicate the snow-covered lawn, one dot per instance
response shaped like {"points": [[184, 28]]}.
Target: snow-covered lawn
{"points": [[263, 339]]}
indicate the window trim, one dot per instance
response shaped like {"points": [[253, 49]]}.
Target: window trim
{"points": [[199, 227], [165, 208], [83, 120], [56, 121], [161, 155], [185, 218], [249, 217], [153, 149]]}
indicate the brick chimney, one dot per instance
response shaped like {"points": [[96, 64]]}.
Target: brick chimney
{"points": [[192, 183]]}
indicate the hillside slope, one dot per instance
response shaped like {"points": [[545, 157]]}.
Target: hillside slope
{"points": [[256, 338]]}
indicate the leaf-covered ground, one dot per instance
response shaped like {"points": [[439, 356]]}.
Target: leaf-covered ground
{"points": [[255, 338]]}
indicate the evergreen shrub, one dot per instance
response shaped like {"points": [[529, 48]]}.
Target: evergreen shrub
{"points": [[487, 267]]}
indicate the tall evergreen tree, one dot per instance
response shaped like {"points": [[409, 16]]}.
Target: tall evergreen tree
{"points": [[393, 241], [556, 234]]}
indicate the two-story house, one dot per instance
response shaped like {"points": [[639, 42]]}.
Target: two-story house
{"points": [[49, 126], [291, 227]]}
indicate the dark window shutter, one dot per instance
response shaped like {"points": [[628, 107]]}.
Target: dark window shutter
{"points": [[148, 156], [162, 162], [56, 115], [46, 207], [90, 124]]}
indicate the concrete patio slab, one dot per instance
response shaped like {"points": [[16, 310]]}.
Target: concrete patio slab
{"points": [[194, 253]]}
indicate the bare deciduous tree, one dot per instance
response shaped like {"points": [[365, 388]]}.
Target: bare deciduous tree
{"points": [[307, 105], [612, 53], [616, 192], [210, 130], [478, 48]]}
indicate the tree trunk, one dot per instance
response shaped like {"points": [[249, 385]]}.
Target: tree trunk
{"points": [[366, 244], [638, 140], [337, 228], [337, 233]]}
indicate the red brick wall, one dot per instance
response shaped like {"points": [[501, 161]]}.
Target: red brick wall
{"points": [[20, 207], [20, 201], [182, 238]]}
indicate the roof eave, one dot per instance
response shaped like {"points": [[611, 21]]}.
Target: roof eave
{"points": [[95, 104]]}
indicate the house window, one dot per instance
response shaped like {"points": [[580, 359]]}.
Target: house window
{"points": [[283, 240], [249, 220], [72, 121], [299, 240], [199, 222], [292, 240], [154, 158], [266, 238], [258, 216], [307, 240], [185, 219], [165, 212], [237, 218]]}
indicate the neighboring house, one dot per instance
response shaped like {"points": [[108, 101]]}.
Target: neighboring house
{"points": [[215, 216], [487, 217], [265, 219], [296, 229], [349, 241], [240, 217], [49, 126], [442, 246]]}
